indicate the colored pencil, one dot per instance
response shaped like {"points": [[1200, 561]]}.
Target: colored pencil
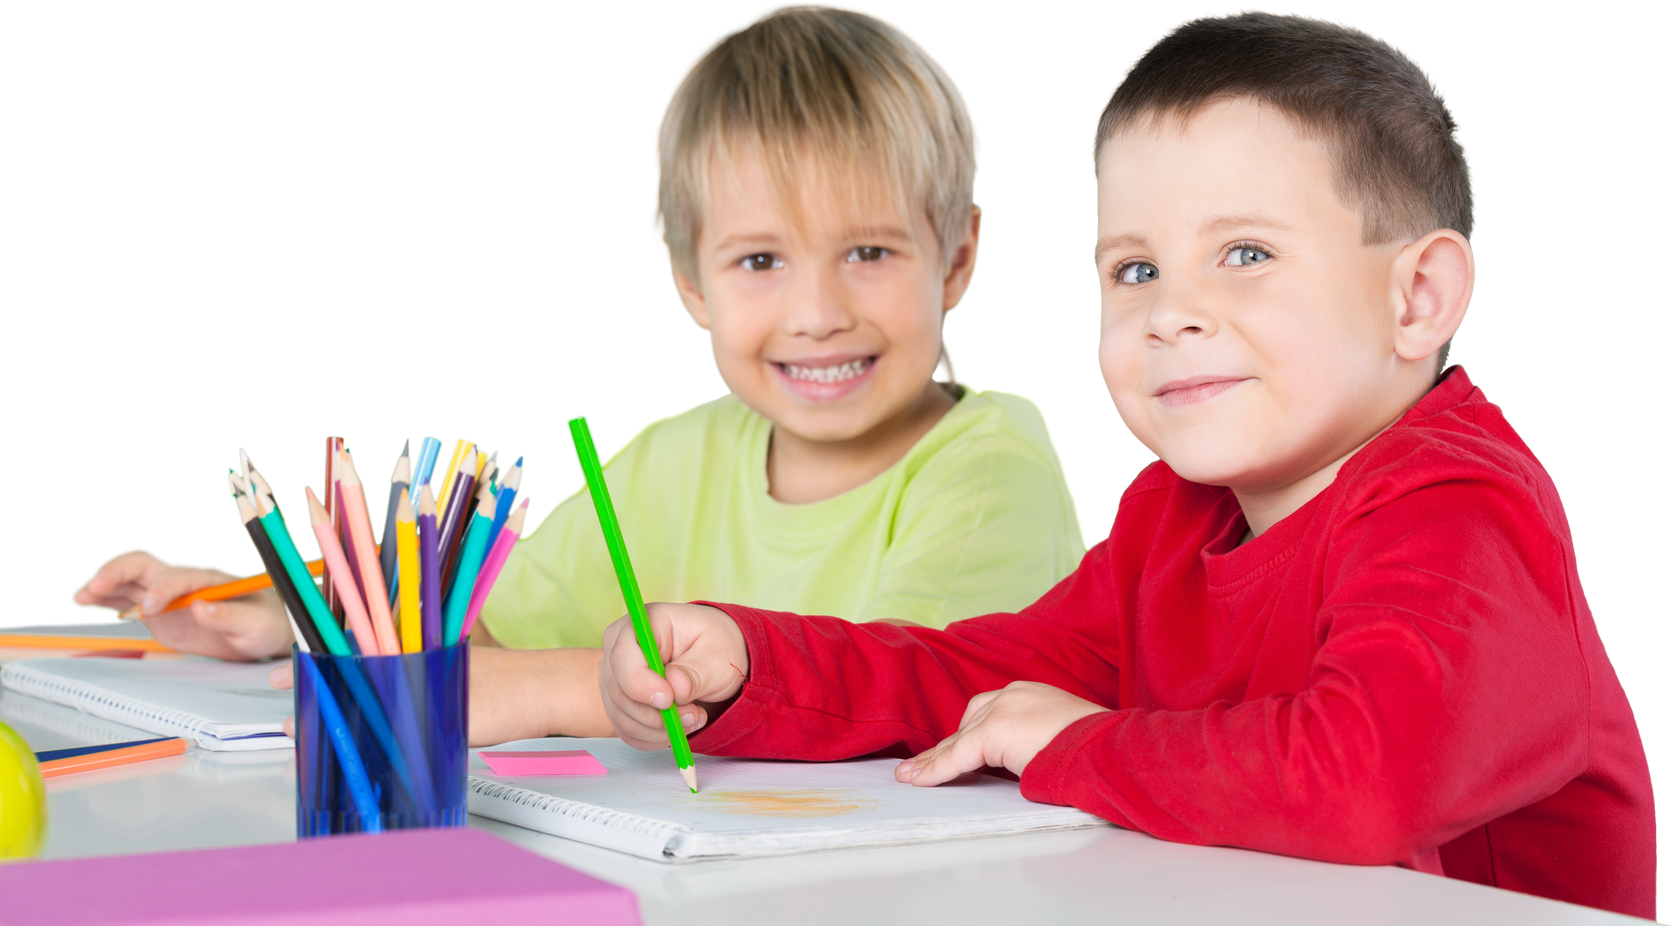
{"points": [[112, 757], [55, 754], [377, 597], [483, 496], [505, 495], [491, 566], [455, 516], [328, 587], [398, 482], [290, 562], [227, 590], [333, 640], [630, 589], [307, 638], [331, 549], [452, 471], [427, 453], [471, 553], [429, 569], [406, 544], [354, 770], [346, 538]]}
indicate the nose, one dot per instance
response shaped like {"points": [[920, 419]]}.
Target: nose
{"points": [[1179, 311], [819, 305]]}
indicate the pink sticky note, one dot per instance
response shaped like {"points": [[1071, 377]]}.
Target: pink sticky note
{"points": [[544, 762]]}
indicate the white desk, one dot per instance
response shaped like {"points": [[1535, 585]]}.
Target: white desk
{"points": [[205, 799]]}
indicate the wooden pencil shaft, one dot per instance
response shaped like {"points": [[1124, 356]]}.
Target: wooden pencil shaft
{"points": [[377, 597], [386, 558], [406, 541], [112, 758], [329, 588], [452, 525], [300, 623], [346, 538]]}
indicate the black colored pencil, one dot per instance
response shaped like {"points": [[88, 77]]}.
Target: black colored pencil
{"points": [[300, 622]]}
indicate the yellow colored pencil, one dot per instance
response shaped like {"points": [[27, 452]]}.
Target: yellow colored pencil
{"points": [[452, 468], [406, 543]]}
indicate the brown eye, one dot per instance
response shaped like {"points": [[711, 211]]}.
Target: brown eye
{"points": [[866, 253], [760, 262]]}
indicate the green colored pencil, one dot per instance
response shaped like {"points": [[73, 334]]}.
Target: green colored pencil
{"points": [[630, 590]]}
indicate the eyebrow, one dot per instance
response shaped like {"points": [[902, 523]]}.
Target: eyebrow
{"points": [[1219, 223], [768, 239]]}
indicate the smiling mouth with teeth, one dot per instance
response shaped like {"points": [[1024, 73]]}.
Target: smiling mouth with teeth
{"points": [[831, 374]]}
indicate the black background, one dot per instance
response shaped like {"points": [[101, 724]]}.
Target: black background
{"points": [[260, 231]]}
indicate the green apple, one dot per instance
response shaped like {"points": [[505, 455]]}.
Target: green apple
{"points": [[22, 798]]}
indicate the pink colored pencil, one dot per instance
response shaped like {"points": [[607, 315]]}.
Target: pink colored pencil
{"points": [[337, 566], [365, 548], [491, 566]]}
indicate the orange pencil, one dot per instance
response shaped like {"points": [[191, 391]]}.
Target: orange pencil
{"points": [[235, 589], [112, 758]]}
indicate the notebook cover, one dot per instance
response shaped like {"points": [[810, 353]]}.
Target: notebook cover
{"points": [[437, 877]]}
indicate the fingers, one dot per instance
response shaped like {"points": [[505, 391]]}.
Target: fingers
{"points": [[282, 677], [140, 579], [290, 727], [962, 752], [119, 583], [247, 628], [705, 658]]}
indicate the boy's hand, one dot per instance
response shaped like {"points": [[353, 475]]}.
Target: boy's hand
{"points": [[242, 629], [707, 662], [1005, 728]]}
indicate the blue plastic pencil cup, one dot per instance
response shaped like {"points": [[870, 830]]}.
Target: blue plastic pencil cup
{"points": [[380, 741]]}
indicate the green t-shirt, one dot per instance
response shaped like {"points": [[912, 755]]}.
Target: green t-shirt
{"points": [[976, 518]]}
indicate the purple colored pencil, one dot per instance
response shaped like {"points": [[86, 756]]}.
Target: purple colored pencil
{"points": [[429, 571]]}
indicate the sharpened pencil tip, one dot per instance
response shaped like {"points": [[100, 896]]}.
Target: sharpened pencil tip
{"points": [[406, 447], [689, 773]]}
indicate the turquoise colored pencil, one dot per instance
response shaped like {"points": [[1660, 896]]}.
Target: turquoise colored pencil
{"points": [[470, 563], [630, 589]]}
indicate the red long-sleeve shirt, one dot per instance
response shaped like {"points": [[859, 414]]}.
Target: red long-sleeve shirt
{"points": [[1404, 671]]}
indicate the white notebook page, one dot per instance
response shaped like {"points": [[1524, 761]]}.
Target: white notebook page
{"points": [[749, 807], [218, 705]]}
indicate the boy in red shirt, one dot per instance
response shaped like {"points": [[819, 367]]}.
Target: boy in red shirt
{"points": [[1340, 618]]}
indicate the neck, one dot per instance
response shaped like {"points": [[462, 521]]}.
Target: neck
{"points": [[801, 471], [1266, 505]]}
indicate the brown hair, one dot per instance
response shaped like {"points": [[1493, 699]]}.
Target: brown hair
{"points": [[1386, 131]]}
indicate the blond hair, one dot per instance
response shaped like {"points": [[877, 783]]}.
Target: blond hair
{"points": [[845, 89]]}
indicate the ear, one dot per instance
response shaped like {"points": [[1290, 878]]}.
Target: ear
{"points": [[962, 264], [1434, 277], [692, 296]]}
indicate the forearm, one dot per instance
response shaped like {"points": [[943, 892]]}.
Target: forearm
{"points": [[898, 690], [525, 694]]}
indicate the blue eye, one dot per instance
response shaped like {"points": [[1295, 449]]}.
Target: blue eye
{"points": [[1137, 272], [761, 262], [1243, 257], [866, 253]]}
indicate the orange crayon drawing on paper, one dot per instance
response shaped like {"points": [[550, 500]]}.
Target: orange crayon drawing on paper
{"points": [[769, 802]]}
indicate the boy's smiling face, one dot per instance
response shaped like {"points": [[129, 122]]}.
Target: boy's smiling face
{"points": [[830, 327], [1248, 337]]}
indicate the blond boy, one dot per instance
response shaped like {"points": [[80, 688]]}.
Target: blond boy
{"points": [[1340, 618], [817, 180]]}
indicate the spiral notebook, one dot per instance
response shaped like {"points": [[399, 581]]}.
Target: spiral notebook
{"points": [[223, 706], [749, 807]]}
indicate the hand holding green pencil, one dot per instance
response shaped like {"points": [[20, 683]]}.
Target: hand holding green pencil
{"points": [[630, 589]]}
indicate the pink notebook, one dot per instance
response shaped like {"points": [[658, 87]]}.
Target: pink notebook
{"points": [[437, 877]]}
